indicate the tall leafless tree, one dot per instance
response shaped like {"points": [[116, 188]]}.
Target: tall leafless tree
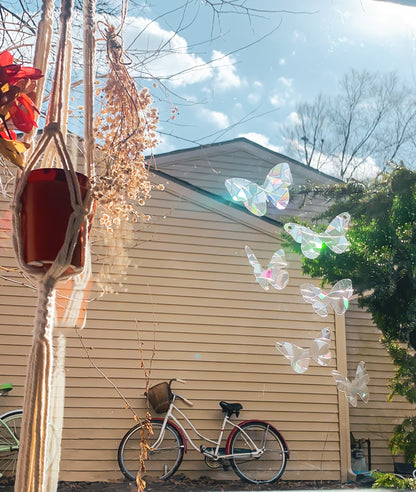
{"points": [[371, 119]]}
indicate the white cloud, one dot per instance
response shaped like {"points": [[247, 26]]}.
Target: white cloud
{"points": [[285, 81], [366, 170], [261, 140], [218, 119], [226, 76], [163, 54], [294, 118], [277, 100], [254, 96], [282, 61], [284, 94]]}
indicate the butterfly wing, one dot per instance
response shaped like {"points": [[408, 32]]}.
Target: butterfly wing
{"points": [[259, 273], [344, 385], [252, 195], [279, 277], [276, 185], [319, 351], [315, 296], [299, 357], [278, 259], [334, 236], [253, 260], [359, 385], [340, 295], [305, 237]]}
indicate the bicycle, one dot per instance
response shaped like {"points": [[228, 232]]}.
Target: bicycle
{"points": [[256, 451], [10, 424]]}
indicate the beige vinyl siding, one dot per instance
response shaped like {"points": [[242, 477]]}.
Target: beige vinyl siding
{"points": [[190, 290], [376, 419], [208, 167]]}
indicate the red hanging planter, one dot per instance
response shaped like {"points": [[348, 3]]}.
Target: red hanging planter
{"points": [[46, 208]]}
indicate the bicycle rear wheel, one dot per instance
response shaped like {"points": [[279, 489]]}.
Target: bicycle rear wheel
{"points": [[270, 465], [162, 461], [9, 449]]}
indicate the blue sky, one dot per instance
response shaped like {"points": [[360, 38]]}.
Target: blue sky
{"points": [[251, 91]]}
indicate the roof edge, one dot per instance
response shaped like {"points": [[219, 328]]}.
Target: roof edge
{"points": [[250, 142]]}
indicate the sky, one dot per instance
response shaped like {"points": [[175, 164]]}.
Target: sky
{"points": [[243, 75]]}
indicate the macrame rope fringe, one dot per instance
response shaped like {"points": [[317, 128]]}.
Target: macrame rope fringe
{"points": [[31, 463], [33, 475]]}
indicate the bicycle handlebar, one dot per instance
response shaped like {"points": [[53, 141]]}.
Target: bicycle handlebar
{"points": [[188, 402]]}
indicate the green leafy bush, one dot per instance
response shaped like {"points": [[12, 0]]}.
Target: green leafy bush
{"points": [[381, 262], [392, 481]]}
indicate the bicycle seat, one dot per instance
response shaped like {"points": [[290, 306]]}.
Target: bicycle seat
{"points": [[231, 408], [5, 388]]}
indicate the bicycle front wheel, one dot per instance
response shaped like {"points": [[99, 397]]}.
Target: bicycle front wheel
{"points": [[270, 465], [9, 443], [163, 458]]}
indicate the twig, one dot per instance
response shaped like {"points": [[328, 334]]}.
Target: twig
{"points": [[128, 406]]}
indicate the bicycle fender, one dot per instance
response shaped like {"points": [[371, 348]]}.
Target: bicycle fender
{"points": [[11, 412], [185, 443], [227, 445]]}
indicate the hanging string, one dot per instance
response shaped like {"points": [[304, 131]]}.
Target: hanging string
{"points": [[41, 57], [89, 78]]}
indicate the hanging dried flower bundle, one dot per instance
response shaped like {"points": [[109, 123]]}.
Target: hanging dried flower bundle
{"points": [[125, 128]]}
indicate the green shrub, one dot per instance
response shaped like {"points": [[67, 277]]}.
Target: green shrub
{"points": [[392, 481]]}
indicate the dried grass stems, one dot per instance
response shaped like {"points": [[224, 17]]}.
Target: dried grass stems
{"points": [[125, 128], [146, 430]]}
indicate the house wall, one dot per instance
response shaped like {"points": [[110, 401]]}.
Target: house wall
{"points": [[376, 419], [191, 295], [208, 167]]}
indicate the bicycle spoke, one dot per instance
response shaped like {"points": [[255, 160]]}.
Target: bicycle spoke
{"points": [[163, 460], [264, 468], [8, 446]]}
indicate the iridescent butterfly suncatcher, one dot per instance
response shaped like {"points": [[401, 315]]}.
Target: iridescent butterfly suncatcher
{"points": [[300, 357], [338, 298], [255, 197], [313, 242], [358, 387], [274, 275]]}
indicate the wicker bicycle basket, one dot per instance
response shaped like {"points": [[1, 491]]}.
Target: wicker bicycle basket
{"points": [[160, 397]]}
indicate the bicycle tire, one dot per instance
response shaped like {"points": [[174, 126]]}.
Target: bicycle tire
{"points": [[268, 467], [8, 458], [162, 462]]}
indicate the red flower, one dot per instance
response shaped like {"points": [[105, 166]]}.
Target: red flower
{"points": [[14, 103], [13, 73], [6, 58], [22, 113], [11, 135]]}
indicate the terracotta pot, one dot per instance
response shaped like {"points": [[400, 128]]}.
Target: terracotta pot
{"points": [[46, 208]]}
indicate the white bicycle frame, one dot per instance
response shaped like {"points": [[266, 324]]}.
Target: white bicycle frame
{"points": [[216, 453]]}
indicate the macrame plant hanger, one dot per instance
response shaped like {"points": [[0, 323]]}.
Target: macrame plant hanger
{"points": [[40, 439]]}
